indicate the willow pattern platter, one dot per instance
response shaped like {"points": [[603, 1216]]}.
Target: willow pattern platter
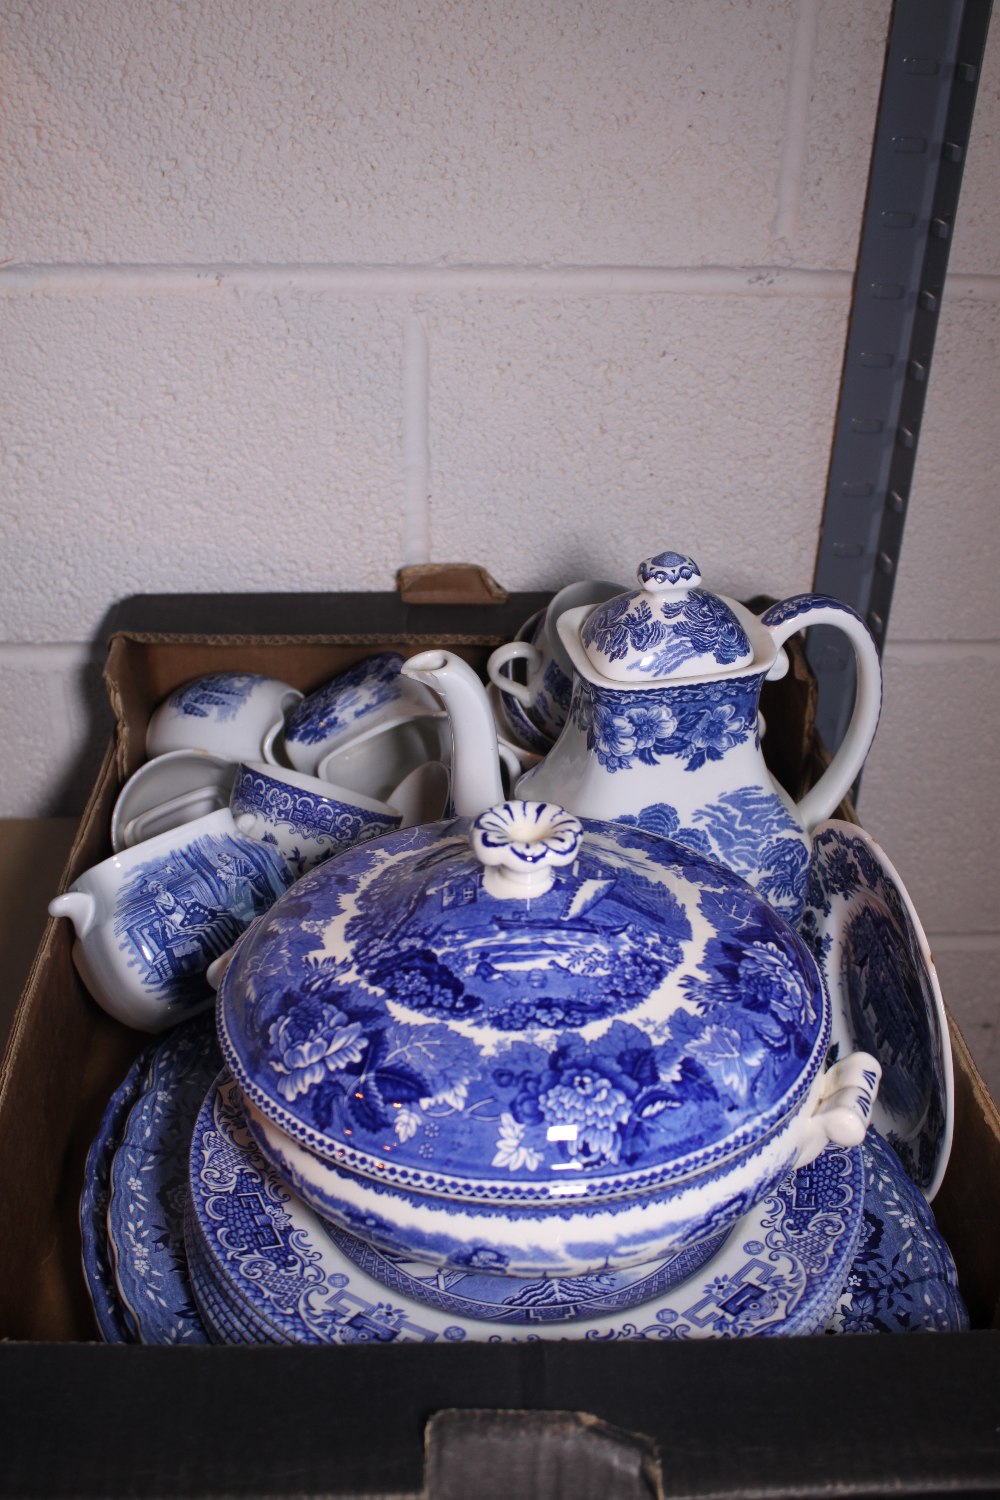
{"points": [[148, 1188], [259, 1248], [863, 930]]}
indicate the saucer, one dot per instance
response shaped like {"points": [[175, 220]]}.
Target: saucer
{"points": [[269, 1263], [865, 934], [903, 1279], [113, 1319], [148, 1188]]}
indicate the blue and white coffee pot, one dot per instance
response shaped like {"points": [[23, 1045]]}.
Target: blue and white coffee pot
{"points": [[663, 726]]}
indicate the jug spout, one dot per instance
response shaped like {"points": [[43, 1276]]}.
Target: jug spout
{"points": [[475, 765], [79, 906]]}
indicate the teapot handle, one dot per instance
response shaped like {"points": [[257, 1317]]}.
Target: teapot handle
{"points": [[802, 610]]}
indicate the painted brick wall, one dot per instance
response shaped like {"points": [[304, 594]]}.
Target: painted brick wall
{"points": [[295, 291]]}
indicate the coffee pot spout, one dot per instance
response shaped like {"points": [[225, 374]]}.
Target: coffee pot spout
{"points": [[475, 765]]}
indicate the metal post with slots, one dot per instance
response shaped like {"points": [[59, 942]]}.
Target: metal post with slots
{"points": [[933, 62]]}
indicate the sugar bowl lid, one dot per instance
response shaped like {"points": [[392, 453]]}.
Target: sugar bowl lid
{"points": [[523, 1007], [670, 627]]}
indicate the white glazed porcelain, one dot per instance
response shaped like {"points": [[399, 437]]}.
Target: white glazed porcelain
{"points": [[375, 761], [150, 919], [235, 715], [371, 693], [176, 787], [572, 1037], [307, 819]]}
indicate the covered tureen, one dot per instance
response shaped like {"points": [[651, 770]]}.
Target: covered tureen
{"points": [[544, 1043]]}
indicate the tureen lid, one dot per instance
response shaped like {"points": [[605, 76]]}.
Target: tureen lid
{"points": [[526, 1008], [670, 627]]}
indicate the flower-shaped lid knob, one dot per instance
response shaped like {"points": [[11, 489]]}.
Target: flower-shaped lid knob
{"points": [[521, 845], [668, 628]]}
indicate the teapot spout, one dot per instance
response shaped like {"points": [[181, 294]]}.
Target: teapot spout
{"points": [[475, 765]]}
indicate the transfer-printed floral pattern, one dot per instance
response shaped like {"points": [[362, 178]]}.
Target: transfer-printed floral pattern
{"points": [[903, 1278], [390, 1006], [149, 1187], [114, 1321], [657, 637], [691, 724]]}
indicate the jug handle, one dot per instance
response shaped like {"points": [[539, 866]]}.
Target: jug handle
{"points": [[802, 610]]}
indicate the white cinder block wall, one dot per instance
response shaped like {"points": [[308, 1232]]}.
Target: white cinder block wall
{"points": [[295, 291]]}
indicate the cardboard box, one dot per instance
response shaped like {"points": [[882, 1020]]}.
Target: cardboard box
{"points": [[871, 1415]]}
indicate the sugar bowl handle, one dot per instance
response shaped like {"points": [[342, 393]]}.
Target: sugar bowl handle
{"points": [[795, 614], [843, 1111]]}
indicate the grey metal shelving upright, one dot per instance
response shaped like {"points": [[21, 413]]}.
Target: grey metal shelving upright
{"points": [[933, 63]]}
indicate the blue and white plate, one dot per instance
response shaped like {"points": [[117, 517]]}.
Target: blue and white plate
{"points": [[148, 1189], [270, 1263], [866, 936], [903, 1279], [113, 1319]]}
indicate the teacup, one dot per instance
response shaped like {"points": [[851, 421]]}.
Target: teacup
{"points": [[369, 693], [308, 820], [544, 695], [169, 790], [150, 919], [236, 715]]}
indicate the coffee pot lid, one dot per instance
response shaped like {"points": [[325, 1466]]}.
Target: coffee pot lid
{"points": [[670, 627]]}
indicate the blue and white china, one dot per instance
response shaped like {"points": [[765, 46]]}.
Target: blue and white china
{"points": [[663, 731], [270, 1268], [177, 787], [369, 693], [866, 936], [486, 1297], [113, 1319], [149, 1188], [305, 819], [903, 1279], [150, 919], [455, 1027], [235, 715], [379, 758], [543, 697]]}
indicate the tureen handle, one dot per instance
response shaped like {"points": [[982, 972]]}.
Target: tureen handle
{"points": [[521, 845], [844, 1107], [795, 614]]}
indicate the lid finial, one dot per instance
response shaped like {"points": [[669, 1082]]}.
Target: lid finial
{"points": [[521, 845]]}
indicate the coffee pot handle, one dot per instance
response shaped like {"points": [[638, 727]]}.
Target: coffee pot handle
{"points": [[784, 620]]}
